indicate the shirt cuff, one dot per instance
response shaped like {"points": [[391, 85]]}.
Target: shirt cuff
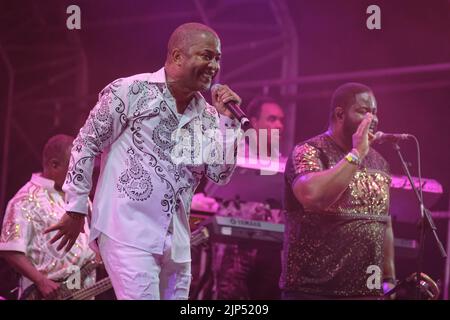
{"points": [[76, 203]]}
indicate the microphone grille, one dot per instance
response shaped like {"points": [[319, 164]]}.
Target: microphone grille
{"points": [[378, 135]]}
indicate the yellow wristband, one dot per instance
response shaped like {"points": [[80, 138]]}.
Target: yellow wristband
{"points": [[353, 159]]}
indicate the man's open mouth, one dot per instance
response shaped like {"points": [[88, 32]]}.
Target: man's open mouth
{"points": [[207, 77]]}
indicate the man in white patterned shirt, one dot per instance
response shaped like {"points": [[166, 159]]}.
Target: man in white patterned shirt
{"points": [[143, 197], [35, 207]]}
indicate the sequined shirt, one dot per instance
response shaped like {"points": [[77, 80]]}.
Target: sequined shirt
{"points": [[143, 190], [34, 208], [330, 253]]}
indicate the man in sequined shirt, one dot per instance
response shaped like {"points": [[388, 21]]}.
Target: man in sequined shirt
{"points": [[140, 217], [338, 239], [35, 207]]}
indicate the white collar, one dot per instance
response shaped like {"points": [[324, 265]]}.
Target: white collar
{"points": [[39, 180], [198, 103]]}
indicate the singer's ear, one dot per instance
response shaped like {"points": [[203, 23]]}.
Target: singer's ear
{"points": [[339, 113], [54, 163], [176, 56]]}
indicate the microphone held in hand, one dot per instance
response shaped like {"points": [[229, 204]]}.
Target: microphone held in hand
{"points": [[381, 137], [235, 110]]}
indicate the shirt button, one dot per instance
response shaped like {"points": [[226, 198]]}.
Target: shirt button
{"points": [[168, 214]]}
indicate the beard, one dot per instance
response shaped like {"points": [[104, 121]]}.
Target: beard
{"points": [[349, 128]]}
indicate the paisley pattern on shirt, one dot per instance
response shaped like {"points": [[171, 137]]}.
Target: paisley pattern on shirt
{"points": [[135, 181], [162, 137], [141, 185]]}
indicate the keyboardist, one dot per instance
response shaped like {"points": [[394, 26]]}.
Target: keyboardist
{"points": [[244, 272]]}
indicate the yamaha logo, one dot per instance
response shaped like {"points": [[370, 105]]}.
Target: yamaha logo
{"points": [[239, 222]]}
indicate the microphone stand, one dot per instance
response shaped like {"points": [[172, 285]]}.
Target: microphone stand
{"points": [[426, 221]]}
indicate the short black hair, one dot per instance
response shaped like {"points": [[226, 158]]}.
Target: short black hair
{"points": [[254, 107], [56, 147], [344, 96]]}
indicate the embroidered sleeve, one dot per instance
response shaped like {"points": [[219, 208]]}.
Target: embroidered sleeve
{"points": [[104, 124], [17, 224]]}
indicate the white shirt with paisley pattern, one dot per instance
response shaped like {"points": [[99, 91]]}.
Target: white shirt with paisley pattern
{"points": [[143, 192]]}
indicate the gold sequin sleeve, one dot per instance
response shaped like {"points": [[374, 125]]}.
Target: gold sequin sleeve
{"points": [[305, 159]]}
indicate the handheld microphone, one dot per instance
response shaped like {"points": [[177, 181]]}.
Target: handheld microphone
{"points": [[235, 110], [381, 137]]}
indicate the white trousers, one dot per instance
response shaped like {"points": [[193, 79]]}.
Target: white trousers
{"points": [[140, 275]]}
